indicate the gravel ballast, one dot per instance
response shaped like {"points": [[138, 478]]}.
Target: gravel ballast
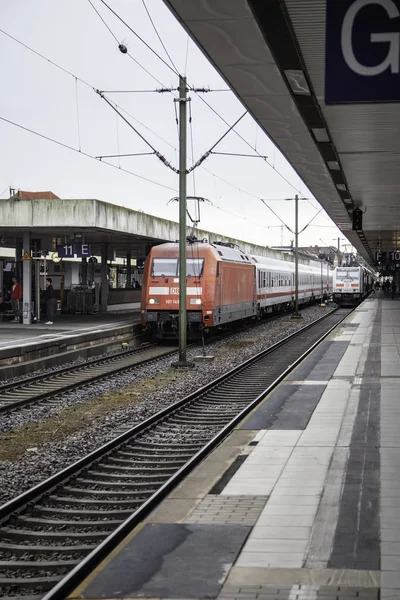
{"points": [[43, 460]]}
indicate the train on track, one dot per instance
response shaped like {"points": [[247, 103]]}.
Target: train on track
{"points": [[351, 285], [224, 286]]}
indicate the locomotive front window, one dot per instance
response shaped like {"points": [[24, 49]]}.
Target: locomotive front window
{"points": [[346, 275], [194, 267], [164, 267], [169, 267]]}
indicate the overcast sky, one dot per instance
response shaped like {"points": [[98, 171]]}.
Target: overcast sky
{"points": [[41, 97]]}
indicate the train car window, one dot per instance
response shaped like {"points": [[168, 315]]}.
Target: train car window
{"points": [[164, 267], [194, 267]]}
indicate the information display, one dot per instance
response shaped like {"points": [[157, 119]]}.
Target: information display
{"points": [[74, 250]]}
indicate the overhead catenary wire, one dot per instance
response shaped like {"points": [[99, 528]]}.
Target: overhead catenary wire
{"points": [[191, 145], [132, 91], [118, 148], [151, 75], [248, 143], [77, 114], [309, 223], [186, 55], [192, 88], [156, 152], [5, 189], [47, 59], [82, 153], [232, 185], [66, 71], [103, 21], [239, 154], [157, 91], [207, 154], [139, 37], [202, 99], [76, 78], [147, 71], [128, 53], [277, 216], [158, 35], [229, 212]]}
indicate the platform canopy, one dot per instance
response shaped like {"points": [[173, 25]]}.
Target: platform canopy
{"points": [[54, 222], [325, 89]]}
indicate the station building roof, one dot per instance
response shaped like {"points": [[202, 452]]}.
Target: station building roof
{"points": [[284, 61], [56, 221]]}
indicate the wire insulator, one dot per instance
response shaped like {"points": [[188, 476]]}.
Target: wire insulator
{"points": [[123, 49]]}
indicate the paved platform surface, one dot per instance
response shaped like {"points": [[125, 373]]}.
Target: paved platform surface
{"points": [[15, 335], [309, 482]]}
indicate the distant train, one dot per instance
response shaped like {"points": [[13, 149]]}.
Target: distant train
{"points": [[224, 286], [351, 285]]}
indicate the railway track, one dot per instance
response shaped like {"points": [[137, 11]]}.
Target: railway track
{"points": [[54, 534], [45, 387]]}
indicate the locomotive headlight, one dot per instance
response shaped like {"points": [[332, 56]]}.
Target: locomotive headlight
{"points": [[195, 301], [154, 300]]}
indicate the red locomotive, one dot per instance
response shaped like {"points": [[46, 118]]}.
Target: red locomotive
{"points": [[224, 285]]}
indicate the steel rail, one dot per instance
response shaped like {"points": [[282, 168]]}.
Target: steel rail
{"points": [[50, 379]]}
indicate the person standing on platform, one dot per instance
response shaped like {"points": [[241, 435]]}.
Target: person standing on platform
{"points": [[50, 301], [393, 288], [16, 297]]}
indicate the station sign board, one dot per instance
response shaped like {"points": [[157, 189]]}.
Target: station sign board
{"points": [[387, 257], [74, 250], [362, 51]]}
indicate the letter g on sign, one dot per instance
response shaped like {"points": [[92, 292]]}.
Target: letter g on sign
{"points": [[392, 59]]}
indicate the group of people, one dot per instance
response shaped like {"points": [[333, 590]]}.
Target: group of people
{"points": [[16, 298], [387, 286]]}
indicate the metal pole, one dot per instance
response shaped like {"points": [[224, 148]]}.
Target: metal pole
{"points": [[296, 238], [296, 314], [27, 281], [182, 221], [37, 289], [322, 287], [339, 262], [44, 272], [327, 281]]}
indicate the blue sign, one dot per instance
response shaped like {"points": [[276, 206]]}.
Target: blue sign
{"points": [[72, 250], [362, 51]]}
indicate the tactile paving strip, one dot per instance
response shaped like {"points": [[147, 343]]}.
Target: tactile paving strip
{"points": [[297, 592], [228, 510]]}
